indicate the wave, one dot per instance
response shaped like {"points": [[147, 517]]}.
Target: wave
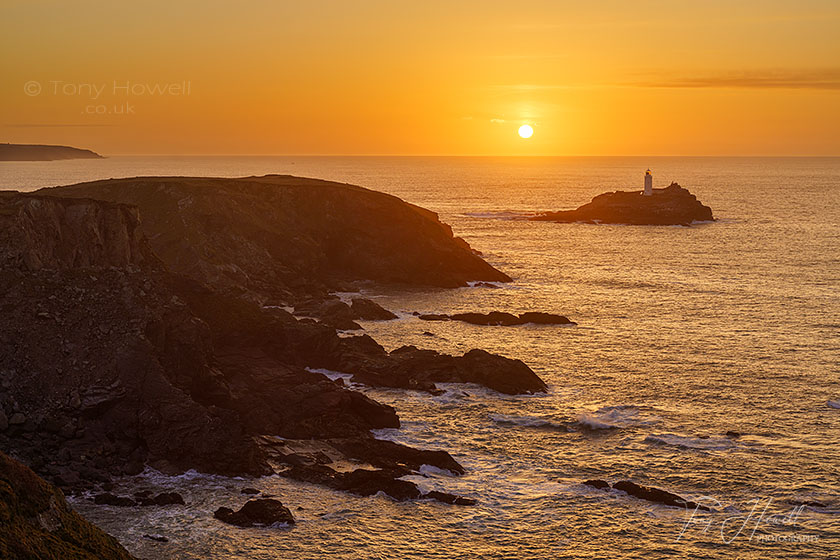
{"points": [[530, 422], [691, 442], [614, 417]]}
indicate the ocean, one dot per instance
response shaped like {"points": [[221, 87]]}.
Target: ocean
{"points": [[706, 361]]}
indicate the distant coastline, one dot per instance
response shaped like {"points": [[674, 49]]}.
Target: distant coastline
{"points": [[43, 152]]}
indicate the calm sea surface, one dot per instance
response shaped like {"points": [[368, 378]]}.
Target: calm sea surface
{"points": [[685, 334]]}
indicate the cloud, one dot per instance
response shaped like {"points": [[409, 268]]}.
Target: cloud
{"points": [[497, 120], [825, 79]]}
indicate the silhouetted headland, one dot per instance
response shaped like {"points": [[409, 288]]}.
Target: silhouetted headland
{"points": [[41, 152], [147, 322]]}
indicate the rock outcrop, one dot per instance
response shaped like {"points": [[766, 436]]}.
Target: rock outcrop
{"points": [[673, 205], [500, 318], [42, 152], [36, 522], [256, 513], [648, 493], [110, 361], [277, 236]]}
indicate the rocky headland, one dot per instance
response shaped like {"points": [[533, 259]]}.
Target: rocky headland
{"points": [[41, 152], [673, 205], [146, 322]]}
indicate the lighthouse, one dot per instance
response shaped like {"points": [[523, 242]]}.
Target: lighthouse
{"points": [[648, 183]]}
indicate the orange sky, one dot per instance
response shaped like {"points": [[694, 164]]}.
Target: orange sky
{"points": [[394, 77]]}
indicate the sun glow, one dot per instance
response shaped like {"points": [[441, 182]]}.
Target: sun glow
{"points": [[526, 131]]}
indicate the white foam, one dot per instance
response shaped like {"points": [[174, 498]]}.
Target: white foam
{"points": [[332, 375], [431, 470], [611, 417]]}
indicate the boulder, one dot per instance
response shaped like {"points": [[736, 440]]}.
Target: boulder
{"points": [[256, 513], [163, 499], [370, 310], [499, 318], [656, 495]]}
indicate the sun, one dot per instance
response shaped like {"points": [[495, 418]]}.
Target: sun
{"points": [[526, 131]]}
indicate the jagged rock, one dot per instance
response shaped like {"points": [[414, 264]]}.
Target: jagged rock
{"points": [[501, 318], [657, 495], [256, 513], [449, 498], [17, 419], [599, 484], [370, 310], [4, 422], [250, 491], [409, 367], [278, 233], [672, 205], [163, 499], [36, 522]]}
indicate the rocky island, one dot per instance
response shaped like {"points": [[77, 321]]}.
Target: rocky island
{"points": [[41, 152], [673, 205], [148, 322]]}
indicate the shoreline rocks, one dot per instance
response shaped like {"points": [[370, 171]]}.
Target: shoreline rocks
{"points": [[673, 205], [499, 318], [262, 512], [647, 493], [188, 369]]}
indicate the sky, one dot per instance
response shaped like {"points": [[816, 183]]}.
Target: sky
{"points": [[423, 78]]}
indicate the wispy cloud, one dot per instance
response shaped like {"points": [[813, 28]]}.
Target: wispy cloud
{"points": [[826, 79], [497, 120]]}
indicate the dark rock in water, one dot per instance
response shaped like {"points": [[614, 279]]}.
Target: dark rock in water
{"points": [[163, 499], [109, 499], [450, 498], [250, 491], [256, 513], [433, 317], [36, 521], [599, 484], [672, 205], [370, 310], [541, 318], [657, 495], [733, 434], [499, 318], [366, 483], [156, 538], [411, 368]]}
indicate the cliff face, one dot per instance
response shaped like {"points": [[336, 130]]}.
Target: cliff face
{"points": [[110, 361], [40, 152], [46, 232], [36, 522], [672, 205], [276, 235]]}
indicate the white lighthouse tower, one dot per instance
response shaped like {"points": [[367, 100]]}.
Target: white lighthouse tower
{"points": [[648, 183]]}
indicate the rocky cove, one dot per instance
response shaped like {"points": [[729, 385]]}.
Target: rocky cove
{"points": [[179, 323]]}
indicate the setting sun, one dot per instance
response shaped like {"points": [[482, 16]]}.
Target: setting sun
{"points": [[526, 131]]}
